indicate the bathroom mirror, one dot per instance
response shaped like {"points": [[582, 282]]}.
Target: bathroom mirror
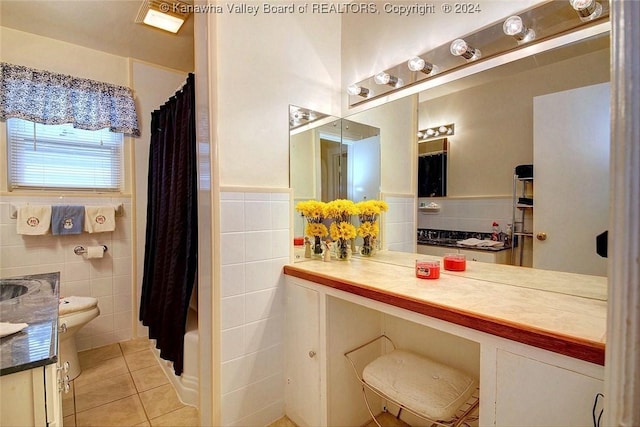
{"points": [[331, 158]]}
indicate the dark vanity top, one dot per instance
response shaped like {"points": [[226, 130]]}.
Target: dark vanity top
{"points": [[450, 238], [37, 344]]}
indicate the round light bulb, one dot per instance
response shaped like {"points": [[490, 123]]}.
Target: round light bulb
{"points": [[458, 47], [513, 25], [420, 135], [443, 129], [382, 78], [580, 4], [354, 89], [587, 9], [418, 64], [431, 132]]}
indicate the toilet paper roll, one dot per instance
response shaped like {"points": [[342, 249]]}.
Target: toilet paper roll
{"points": [[95, 252]]}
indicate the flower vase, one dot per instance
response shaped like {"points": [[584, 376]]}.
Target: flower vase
{"points": [[367, 248], [343, 250], [317, 247]]}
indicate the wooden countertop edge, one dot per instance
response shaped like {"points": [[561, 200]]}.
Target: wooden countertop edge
{"points": [[590, 351]]}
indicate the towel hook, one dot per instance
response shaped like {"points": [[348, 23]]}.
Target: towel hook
{"points": [[79, 250]]}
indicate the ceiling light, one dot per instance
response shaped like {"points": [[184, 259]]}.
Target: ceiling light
{"points": [[418, 64], [514, 27], [460, 47], [167, 15], [587, 9], [356, 90], [383, 78]]}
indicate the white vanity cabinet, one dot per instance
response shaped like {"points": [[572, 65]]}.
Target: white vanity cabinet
{"points": [[31, 398], [525, 378], [532, 392], [302, 356]]}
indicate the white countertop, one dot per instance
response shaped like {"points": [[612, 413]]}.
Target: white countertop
{"points": [[547, 309]]}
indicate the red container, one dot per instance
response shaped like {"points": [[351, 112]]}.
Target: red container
{"points": [[455, 262], [298, 241], [427, 269]]}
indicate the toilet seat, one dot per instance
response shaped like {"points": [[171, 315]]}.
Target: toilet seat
{"points": [[73, 304]]}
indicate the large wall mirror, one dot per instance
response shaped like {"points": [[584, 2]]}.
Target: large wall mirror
{"points": [[550, 109]]}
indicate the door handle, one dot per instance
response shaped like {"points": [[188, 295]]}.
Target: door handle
{"points": [[541, 236]]}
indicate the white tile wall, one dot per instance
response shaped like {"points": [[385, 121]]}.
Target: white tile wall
{"points": [[399, 224], [255, 244], [108, 279], [476, 214]]}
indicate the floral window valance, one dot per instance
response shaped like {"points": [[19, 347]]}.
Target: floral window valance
{"points": [[53, 99]]}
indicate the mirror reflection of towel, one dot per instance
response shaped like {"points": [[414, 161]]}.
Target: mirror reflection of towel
{"points": [[67, 219]]}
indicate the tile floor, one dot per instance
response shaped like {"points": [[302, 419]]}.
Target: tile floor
{"points": [[123, 385]]}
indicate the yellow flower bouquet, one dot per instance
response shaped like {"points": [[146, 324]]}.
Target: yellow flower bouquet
{"points": [[313, 212], [341, 230], [368, 212]]}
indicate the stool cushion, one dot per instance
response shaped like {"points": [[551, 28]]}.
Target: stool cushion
{"points": [[431, 389]]}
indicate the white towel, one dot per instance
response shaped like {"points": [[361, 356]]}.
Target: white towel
{"points": [[33, 220], [7, 328], [99, 219]]}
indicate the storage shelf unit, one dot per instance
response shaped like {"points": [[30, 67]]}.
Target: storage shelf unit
{"points": [[522, 204]]}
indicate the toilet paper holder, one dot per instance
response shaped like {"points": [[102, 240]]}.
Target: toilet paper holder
{"points": [[79, 250]]}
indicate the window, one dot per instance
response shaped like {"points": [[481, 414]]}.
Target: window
{"points": [[63, 157]]}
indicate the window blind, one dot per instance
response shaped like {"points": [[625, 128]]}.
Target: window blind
{"points": [[62, 157]]}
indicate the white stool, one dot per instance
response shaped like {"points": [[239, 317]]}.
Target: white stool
{"points": [[430, 390]]}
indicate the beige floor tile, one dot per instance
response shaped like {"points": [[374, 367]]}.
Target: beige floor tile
{"points": [[148, 378], [94, 356], [69, 421], [186, 416], [141, 359], [106, 369], [135, 345], [160, 400], [103, 391], [123, 412]]}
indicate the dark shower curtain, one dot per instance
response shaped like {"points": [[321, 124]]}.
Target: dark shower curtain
{"points": [[170, 255]]}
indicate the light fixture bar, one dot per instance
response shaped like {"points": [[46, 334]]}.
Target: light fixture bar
{"points": [[440, 131], [553, 20]]}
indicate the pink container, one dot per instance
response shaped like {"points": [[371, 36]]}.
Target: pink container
{"points": [[427, 269], [455, 262]]}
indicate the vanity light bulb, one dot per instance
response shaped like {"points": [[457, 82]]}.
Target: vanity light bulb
{"points": [[419, 64], [587, 9], [514, 26], [355, 90], [460, 47], [383, 78], [431, 132], [443, 129], [420, 135]]}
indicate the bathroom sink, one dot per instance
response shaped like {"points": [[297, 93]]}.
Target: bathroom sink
{"points": [[10, 289]]}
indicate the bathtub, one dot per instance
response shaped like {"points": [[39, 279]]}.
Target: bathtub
{"points": [[186, 385]]}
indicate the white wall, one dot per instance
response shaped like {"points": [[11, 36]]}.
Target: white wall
{"points": [[263, 64]]}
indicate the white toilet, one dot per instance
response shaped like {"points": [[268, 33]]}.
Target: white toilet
{"points": [[74, 313]]}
